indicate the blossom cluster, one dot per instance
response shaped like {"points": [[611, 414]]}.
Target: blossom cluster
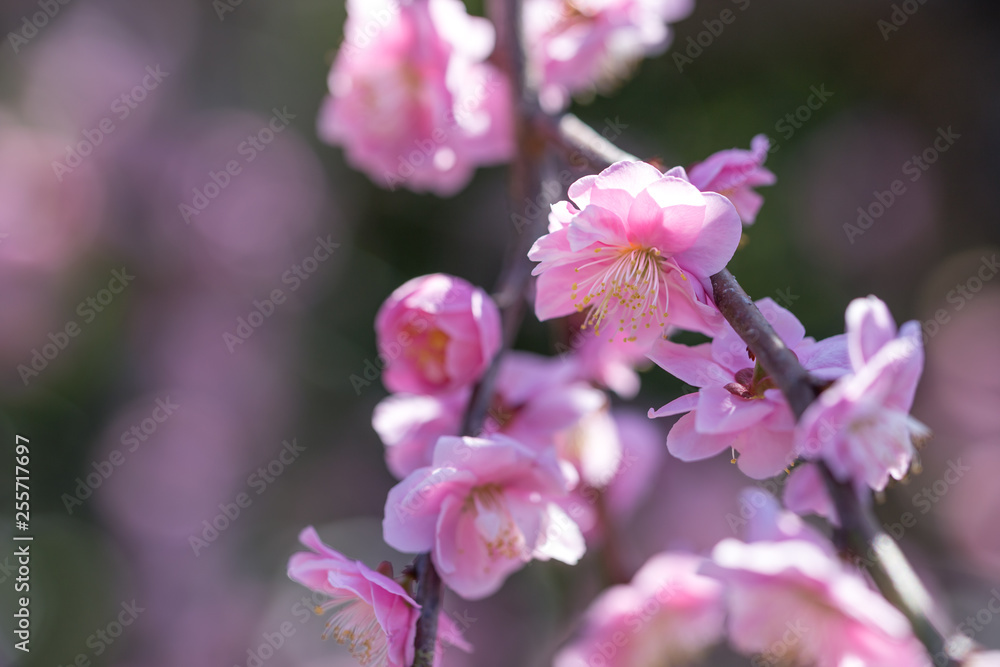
{"points": [[628, 260], [415, 100], [630, 257]]}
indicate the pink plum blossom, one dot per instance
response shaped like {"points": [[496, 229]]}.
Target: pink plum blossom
{"points": [[416, 104], [617, 456], [635, 249], [792, 600], [584, 45], [737, 405], [667, 615], [535, 398], [608, 364], [733, 173], [439, 333], [805, 493], [372, 614], [483, 508], [642, 457], [861, 425]]}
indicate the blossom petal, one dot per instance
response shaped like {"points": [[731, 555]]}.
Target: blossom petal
{"points": [[687, 444]]}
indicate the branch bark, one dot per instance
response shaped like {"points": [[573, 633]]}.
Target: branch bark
{"points": [[510, 295], [860, 530]]}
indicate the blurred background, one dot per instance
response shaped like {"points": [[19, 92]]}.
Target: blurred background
{"points": [[161, 180]]}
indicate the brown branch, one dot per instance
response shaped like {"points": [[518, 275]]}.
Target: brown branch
{"points": [[525, 186], [859, 530], [575, 138], [890, 570]]}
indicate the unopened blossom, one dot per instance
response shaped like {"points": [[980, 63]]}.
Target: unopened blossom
{"points": [[535, 398], [483, 508], [371, 614], [738, 406], [861, 426], [667, 615], [412, 100], [791, 600], [438, 334], [734, 173], [634, 249], [578, 46]]}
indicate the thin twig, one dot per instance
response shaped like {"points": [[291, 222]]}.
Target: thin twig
{"points": [[890, 570], [525, 185]]}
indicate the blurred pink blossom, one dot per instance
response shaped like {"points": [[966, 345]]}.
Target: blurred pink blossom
{"points": [[585, 45], [790, 598], [610, 364], [805, 493], [737, 405], [535, 398], [417, 105], [861, 425], [733, 173], [636, 247], [440, 334], [483, 509], [48, 221], [668, 614]]}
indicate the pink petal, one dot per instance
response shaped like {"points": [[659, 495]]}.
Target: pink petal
{"points": [[554, 289], [632, 177], [692, 364], [718, 240], [720, 411], [685, 403], [869, 327], [685, 443], [668, 214], [595, 224]]}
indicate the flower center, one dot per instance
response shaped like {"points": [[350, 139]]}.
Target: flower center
{"points": [[427, 350], [751, 383], [629, 290], [494, 523], [355, 625]]}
